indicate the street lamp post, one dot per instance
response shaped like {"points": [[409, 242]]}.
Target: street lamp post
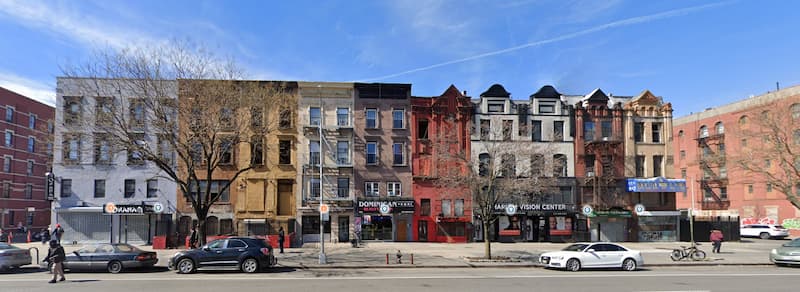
{"points": [[322, 259], [691, 214]]}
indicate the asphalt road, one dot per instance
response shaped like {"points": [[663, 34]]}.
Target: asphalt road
{"points": [[723, 278]]}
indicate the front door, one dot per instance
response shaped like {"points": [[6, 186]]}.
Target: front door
{"points": [[529, 229], [402, 230], [422, 230], [344, 228]]}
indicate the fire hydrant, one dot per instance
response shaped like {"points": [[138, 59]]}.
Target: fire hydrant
{"points": [[399, 256]]}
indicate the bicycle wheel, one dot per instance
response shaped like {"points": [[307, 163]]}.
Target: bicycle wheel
{"points": [[676, 255], [698, 255]]}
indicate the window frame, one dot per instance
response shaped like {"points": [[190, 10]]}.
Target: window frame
{"points": [[375, 155], [394, 189], [402, 121], [129, 188], [375, 121], [398, 146], [152, 191], [99, 188], [312, 120], [372, 189]]}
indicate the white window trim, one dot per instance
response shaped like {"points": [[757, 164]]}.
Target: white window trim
{"points": [[377, 154], [375, 186], [12, 138], [377, 118], [348, 116], [33, 117], [403, 152], [402, 120], [311, 184], [310, 117], [394, 189], [349, 153], [12, 110]]}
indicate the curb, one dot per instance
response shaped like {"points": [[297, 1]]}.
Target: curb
{"points": [[471, 266]]}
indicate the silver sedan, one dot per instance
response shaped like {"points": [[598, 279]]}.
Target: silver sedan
{"points": [[12, 257]]}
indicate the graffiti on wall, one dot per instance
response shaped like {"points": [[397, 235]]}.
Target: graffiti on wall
{"points": [[791, 223], [765, 220]]}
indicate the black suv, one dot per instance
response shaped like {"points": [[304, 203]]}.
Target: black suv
{"points": [[248, 254]]}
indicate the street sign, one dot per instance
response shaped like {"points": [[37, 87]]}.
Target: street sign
{"points": [[639, 209], [511, 209], [385, 209], [324, 208], [587, 210], [326, 217], [31, 209], [51, 187]]}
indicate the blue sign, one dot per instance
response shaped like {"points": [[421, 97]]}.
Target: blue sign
{"points": [[656, 184]]}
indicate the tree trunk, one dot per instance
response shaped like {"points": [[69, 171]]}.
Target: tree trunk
{"points": [[201, 231], [487, 243]]}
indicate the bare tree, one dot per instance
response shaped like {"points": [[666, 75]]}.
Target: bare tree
{"points": [[774, 154], [184, 111], [497, 172]]}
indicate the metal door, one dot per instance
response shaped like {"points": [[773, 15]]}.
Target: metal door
{"points": [[344, 228], [422, 230]]}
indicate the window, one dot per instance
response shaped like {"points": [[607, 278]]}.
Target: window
{"points": [[226, 118], [485, 162], [547, 108], [72, 110], [703, 131], [135, 154], [656, 127], [66, 188], [30, 167], [257, 150], [723, 171], [744, 142], [235, 243], [137, 113], [197, 153], [422, 129], [768, 163], [720, 128], [537, 165], [657, 160], [343, 187], [425, 207], [795, 108], [398, 119], [130, 188], [743, 121], [523, 128], [226, 151], [509, 168], [343, 117], [769, 187], [485, 127], [507, 126], [723, 193], [371, 189], [372, 118], [73, 145], [314, 116], [558, 131], [393, 189], [680, 133], [588, 162], [285, 119], [683, 154], [459, 207], [559, 165], [588, 131], [721, 148], [683, 173], [99, 188], [102, 149], [314, 188], [31, 144], [313, 153], [496, 107], [343, 152], [372, 153], [796, 137], [9, 139], [536, 131], [9, 114], [31, 121], [638, 132], [447, 210], [256, 117], [285, 152], [639, 166], [7, 190], [311, 225], [216, 186], [152, 188], [6, 163], [28, 191], [398, 154], [605, 129], [749, 188]]}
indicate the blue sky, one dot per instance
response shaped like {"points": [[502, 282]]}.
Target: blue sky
{"points": [[696, 54]]}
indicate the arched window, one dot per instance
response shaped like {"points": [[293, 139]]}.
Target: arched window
{"points": [[509, 168], [484, 163], [212, 226], [680, 133], [559, 165], [764, 115], [743, 121], [720, 128], [795, 111], [703, 131]]}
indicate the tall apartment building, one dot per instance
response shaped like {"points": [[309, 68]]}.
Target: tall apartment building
{"points": [[91, 173], [325, 147], [439, 124], [26, 150], [710, 144], [382, 163], [533, 138]]}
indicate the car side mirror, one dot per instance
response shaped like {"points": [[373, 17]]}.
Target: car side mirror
{"points": [[590, 250], [205, 248]]}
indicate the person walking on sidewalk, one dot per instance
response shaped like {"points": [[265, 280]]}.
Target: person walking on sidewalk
{"points": [[193, 238], [716, 239], [56, 256], [281, 238], [58, 233]]}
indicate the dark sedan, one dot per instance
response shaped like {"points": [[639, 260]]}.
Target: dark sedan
{"points": [[247, 254], [110, 257]]}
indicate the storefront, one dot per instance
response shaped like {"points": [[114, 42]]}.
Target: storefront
{"points": [[136, 224], [537, 222], [656, 218], [387, 220], [658, 226], [613, 224]]}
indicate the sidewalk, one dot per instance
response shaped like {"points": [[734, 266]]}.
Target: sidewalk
{"points": [[443, 255]]}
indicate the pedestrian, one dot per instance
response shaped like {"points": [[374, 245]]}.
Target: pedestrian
{"points": [[58, 233], [56, 256], [45, 234], [193, 238], [716, 240], [281, 238]]}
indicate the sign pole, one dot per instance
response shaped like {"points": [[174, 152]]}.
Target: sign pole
{"points": [[322, 259], [691, 215]]}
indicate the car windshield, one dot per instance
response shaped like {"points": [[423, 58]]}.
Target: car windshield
{"points": [[125, 248], [7, 246], [793, 243], [575, 247]]}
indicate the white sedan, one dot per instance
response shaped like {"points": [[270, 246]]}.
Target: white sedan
{"points": [[593, 255]]}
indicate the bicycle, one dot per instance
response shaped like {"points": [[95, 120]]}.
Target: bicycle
{"points": [[691, 252]]}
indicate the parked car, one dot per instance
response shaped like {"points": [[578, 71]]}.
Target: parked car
{"points": [[250, 255], [113, 258], [593, 255], [787, 254], [764, 231], [12, 257]]}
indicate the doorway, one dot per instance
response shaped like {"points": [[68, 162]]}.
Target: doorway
{"points": [[344, 228], [402, 230], [422, 230]]}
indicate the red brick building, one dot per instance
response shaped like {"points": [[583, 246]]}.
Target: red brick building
{"points": [[25, 150], [439, 123], [709, 144]]}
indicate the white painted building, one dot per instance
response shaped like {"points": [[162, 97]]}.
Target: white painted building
{"points": [[90, 174]]}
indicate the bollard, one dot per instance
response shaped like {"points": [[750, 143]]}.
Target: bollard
{"points": [[37, 253], [387, 258], [412, 258]]}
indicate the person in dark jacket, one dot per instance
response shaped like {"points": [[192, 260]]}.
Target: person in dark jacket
{"points": [[193, 238], [56, 256], [281, 238], [58, 233]]}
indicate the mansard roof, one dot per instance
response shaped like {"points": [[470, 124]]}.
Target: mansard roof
{"points": [[496, 90], [597, 96], [546, 91]]}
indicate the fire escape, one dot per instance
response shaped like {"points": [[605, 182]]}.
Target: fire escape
{"points": [[328, 157], [714, 180], [603, 180]]}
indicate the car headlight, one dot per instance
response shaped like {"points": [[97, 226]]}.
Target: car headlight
{"points": [[774, 251]]}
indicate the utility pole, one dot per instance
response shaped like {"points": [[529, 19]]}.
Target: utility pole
{"points": [[691, 215], [322, 259]]}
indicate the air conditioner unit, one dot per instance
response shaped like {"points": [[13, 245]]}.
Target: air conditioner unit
{"points": [[590, 174]]}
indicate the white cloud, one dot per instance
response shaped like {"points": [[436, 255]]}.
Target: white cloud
{"points": [[30, 88]]}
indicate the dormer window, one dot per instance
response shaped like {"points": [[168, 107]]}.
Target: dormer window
{"points": [[496, 107], [547, 108]]}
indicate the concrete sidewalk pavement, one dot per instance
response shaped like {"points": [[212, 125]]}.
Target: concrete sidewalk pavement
{"points": [[444, 255]]}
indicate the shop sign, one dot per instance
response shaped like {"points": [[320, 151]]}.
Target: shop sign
{"points": [[639, 209], [613, 213], [51, 187], [655, 185], [538, 207], [114, 209], [397, 206]]}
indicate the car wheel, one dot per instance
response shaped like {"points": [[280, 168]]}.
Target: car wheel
{"points": [[764, 235], [114, 267], [186, 266], [573, 265], [629, 265], [249, 265]]}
